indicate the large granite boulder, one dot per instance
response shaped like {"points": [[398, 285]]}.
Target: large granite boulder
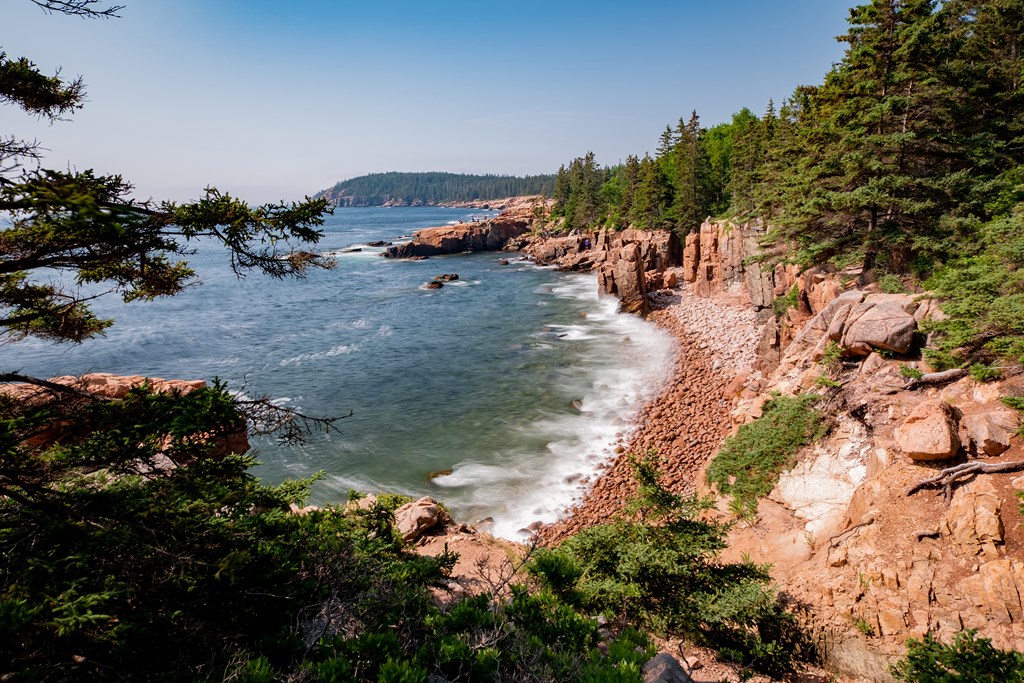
{"points": [[929, 432], [417, 517], [664, 668], [880, 321]]}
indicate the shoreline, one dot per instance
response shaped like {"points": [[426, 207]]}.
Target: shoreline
{"points": [[689, 420]]}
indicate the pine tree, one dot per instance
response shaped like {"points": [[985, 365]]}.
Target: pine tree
{"points": [[652, 198], [876, 160], [692, 200]]}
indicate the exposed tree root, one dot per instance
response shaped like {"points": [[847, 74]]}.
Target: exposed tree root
{"points": [[949, 476]]}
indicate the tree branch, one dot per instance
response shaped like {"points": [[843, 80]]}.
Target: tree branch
{"points": [[78, 8]]}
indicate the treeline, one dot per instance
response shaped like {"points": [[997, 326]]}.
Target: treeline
{"points": [[416, 189], [697, 172], [907, 159]]}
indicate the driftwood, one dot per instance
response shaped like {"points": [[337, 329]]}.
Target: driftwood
{"points": [[949, 476], [936, 378]]}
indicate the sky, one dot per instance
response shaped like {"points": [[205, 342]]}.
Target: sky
{"points": [[274, 100]]}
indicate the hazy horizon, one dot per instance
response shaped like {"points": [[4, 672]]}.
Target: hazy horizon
{"points": [[270, 101]]}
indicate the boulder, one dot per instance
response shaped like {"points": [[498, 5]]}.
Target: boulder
{"points": [[447, 277], [664, 668], [434, 284], [413, 519], [929, 432], [881, 321], [989, 433], [973, 520]]}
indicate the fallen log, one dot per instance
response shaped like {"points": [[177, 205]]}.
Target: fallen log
{"points": [[937, 378]]}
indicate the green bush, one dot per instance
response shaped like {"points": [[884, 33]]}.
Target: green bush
{"points": [[749, 464], [656, 565], [985, 373], [118, 567], [967, 660], [784, 303], [910, 372], [891, 284]]}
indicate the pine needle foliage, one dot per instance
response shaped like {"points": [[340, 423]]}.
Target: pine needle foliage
{"points": [[968, 660], [656, 565]]}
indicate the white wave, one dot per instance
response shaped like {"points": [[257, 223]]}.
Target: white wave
{"points": [[571, 332], [626, 366], [340, 350]]}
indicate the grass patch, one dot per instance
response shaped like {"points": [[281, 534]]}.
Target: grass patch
{"points": [[750, 462]]}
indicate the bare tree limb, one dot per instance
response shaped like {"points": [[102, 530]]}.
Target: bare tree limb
{"points": [[8, 377], [937, 378], [78, 8]]}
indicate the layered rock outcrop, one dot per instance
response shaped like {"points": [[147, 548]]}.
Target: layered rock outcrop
{"points": [[487, 235], [109, 386]]}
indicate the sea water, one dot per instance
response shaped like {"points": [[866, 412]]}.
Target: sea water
{"points": [[500, 393]]}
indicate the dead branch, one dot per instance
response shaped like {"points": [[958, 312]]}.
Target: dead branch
{"points": [[949, 476], [936, 378]]}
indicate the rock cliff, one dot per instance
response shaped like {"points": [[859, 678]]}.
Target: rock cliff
{"points": [[486, 235]]}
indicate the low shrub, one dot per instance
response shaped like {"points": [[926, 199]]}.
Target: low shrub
{"points": [[891, 284], [656, 565], [985, 373], [968, 660], [910, 372], [749, 464]]}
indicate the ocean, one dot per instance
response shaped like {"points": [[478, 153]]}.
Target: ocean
{"points": [[500, 393]]}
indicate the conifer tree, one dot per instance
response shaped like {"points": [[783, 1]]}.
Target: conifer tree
{"points": [[692, 200], [873, 171]]}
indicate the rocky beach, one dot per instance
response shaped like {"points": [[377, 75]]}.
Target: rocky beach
{"points": [[686, 425]]}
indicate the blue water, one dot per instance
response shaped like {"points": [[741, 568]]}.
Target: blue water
{"points": [[479, 377]]}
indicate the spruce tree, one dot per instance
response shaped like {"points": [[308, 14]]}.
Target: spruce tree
{"points": [[876, 159]]}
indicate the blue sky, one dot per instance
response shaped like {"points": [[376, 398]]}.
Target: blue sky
{"points": [[271, 99]]}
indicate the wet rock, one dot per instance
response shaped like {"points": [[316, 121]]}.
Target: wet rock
{"points": [[434, 284], [447, 277]]}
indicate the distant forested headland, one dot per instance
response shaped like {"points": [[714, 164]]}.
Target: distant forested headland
{"points": [[419, 189]]}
